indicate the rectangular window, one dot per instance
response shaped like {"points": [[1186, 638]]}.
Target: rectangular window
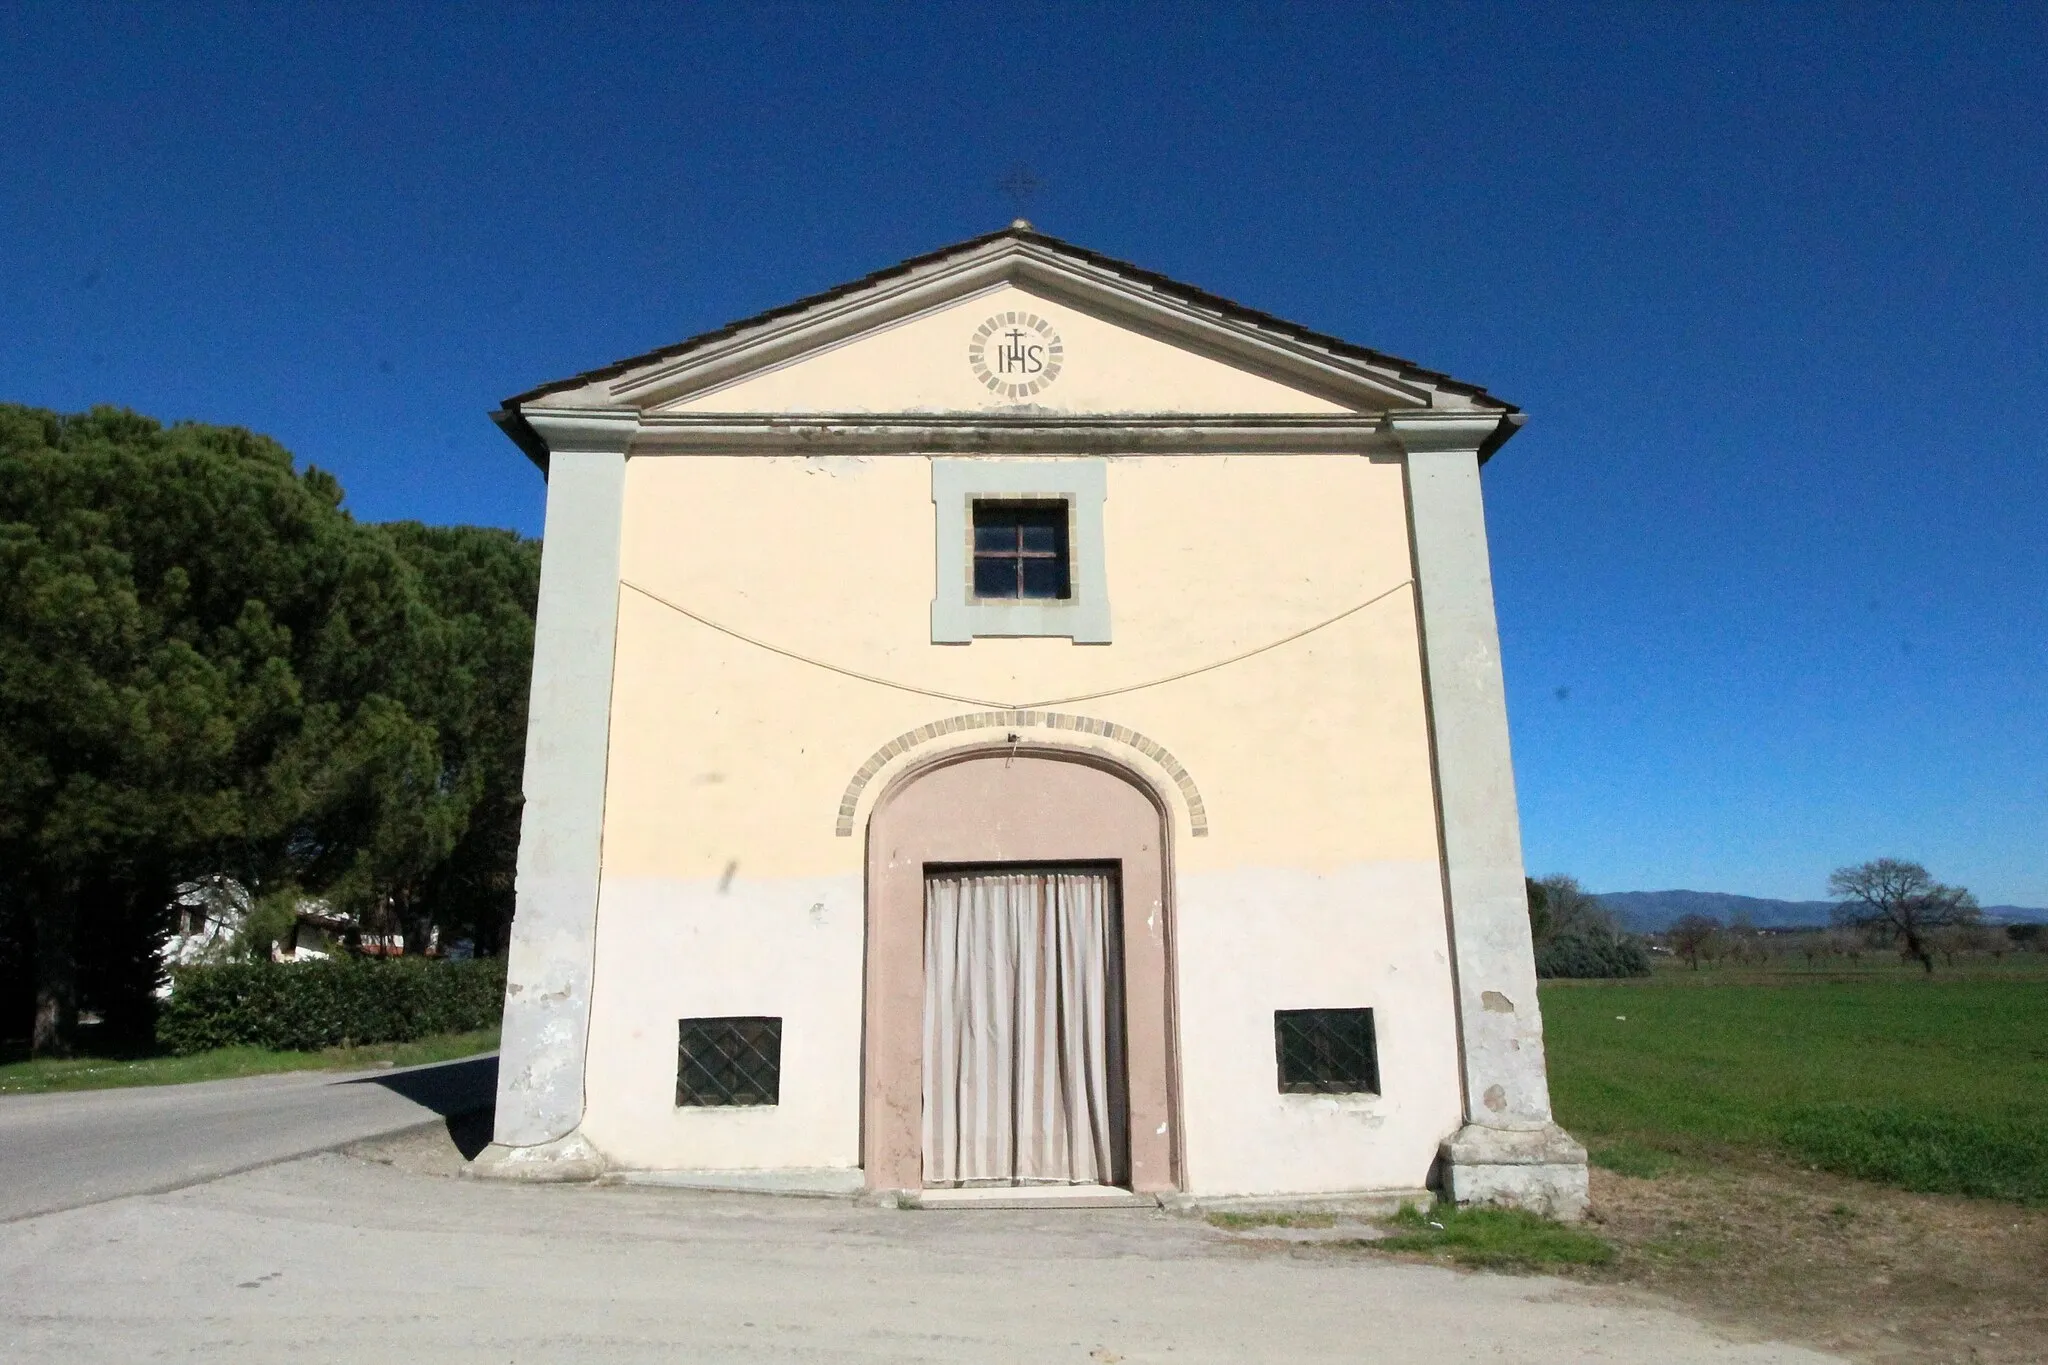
{"points": [[1020, 551], [1326, 1052], [729, 1061]]}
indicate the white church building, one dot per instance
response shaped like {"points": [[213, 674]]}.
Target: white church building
{"points": [[1015, 727]]}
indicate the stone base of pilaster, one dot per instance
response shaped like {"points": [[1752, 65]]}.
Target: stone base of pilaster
{"points": [[1542, 1169], [565, 1159]]}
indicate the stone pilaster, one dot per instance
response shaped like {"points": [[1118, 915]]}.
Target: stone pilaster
{"points": [[1509, 1150], [568, 730]]}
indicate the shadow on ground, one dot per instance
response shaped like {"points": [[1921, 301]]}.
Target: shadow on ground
{"points": [[471, 1132], [464, 1093]]}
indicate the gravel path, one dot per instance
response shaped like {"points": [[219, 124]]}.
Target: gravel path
{"points": [[381, 1255]]}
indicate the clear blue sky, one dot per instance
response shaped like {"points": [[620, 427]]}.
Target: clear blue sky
{"points": [[1772, 282]]}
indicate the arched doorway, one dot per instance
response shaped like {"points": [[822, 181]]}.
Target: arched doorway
{"points": [[1059, 830]]}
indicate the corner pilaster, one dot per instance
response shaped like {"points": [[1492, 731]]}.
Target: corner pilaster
{"points": [[568, 731], [1509, 1150]]}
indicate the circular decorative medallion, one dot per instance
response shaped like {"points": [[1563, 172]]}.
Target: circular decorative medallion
{"points": [[1016, 354]]}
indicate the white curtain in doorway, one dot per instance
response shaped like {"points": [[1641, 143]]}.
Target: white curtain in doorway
{"points": [[1019, 1028]]}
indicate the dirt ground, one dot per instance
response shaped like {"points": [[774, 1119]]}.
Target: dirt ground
{"points": [[1869, 1272]]}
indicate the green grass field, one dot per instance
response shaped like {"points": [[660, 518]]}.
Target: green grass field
{"points": [[99, 1073], [1938, 1085]]}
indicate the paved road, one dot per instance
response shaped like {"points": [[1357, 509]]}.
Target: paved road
{"points": [[61, 1151], [345, 1258]]}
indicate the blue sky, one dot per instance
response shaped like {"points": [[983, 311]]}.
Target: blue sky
{"points": [[1772, 282]]}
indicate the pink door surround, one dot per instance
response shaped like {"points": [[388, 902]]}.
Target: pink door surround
{"points": [[1014, 805]]}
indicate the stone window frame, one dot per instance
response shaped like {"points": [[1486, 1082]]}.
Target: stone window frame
{"points": [[958, 617]]}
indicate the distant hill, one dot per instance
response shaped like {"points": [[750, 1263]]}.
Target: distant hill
{"points": [[1647, 912]]}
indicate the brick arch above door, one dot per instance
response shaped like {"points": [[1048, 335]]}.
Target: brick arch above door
{"points": [[928, 736]]}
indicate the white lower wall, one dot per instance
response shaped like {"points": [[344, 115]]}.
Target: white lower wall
{"points": [[673, 949], [1247, 942], [1252, 941]]}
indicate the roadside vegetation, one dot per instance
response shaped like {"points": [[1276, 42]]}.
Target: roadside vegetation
{"points": [[24, 1076], [305, 1007], [1271, 1218], [1500, 1239]]}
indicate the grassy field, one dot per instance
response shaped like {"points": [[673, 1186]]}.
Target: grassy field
{"points": [[96, 1073], [1935, 1085]]}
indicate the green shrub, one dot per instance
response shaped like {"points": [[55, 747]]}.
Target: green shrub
{"points": [[1990, 1157], [307, 1006], [1592, 953]]}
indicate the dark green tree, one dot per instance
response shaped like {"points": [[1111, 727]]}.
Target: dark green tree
{"points": [[1575, 936], [484, 583], [207, 666]]}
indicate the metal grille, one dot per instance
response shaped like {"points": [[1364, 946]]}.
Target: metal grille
{"points": [[729, 1061], [1326, 1052]]}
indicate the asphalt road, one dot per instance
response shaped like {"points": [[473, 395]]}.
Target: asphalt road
{"points": [[66, 1150]]}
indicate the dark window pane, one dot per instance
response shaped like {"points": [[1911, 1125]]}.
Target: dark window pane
{"points": [[1045, 578], [729, 1061], [995, 578], [1043, 538], [1033, 532], [1326, 1052]]}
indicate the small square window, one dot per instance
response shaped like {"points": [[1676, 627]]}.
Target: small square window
{"points": [[730, 1061], [1020, 551], [1326, 1052]]}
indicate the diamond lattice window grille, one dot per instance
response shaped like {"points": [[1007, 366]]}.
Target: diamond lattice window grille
{"points": [[734, 1060], [1326, 1052]]}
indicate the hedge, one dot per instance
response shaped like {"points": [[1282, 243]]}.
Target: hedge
{"points": [[1592, 955], [305, 1006]]}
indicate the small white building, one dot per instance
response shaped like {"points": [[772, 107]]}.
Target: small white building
{"points": [[1018, 722]]}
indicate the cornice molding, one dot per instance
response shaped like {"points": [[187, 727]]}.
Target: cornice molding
{"points": [[1014, 434], [626, 431], [1451, 432], [583, 430]]}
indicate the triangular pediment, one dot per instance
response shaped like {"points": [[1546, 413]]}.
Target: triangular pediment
{"points": [[1013, 322], [1000, 349]]}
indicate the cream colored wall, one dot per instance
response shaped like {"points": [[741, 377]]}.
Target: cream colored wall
{"points": [[725, 890], [920, 365]]}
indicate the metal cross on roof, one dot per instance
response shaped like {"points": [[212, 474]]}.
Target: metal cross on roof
{"points": [[1018, 185]]}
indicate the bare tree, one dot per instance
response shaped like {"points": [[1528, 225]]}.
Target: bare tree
{"points": [[1900, 902], [1691, 933]]}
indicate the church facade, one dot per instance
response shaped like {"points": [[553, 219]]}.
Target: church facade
{"points": [[1016, 727]]}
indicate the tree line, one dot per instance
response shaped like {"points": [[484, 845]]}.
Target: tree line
{"points": [[1886, 902], [208, 667], [1575, 936]]}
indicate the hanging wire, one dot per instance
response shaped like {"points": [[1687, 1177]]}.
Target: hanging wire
{"points": [[793, 655]]}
